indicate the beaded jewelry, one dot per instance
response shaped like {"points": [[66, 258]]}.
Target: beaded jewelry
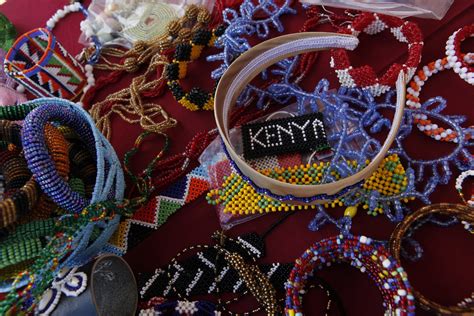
{"points": [[239, 198], [362, 253], [413, 102], [7, 33], [462, 213], [109, 179], [185, 53], [459, 181], [454, 55], [365, 76]]}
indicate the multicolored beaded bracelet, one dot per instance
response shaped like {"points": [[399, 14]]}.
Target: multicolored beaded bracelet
{"points": [[459, 181], [365, 77], [413, 101], [239, 198], [462, 213], [109, 178], [196, 99], [362, 253], [454, 56]]}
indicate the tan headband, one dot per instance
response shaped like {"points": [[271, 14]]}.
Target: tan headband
{"points": [[249, 65]]}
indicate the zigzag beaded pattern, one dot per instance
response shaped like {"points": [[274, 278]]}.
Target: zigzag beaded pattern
{"points": [[365, 77]]}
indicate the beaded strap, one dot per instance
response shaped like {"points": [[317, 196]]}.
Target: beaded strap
{"points": [[365, 76], [464, 214], [109, 179], [362, 253]]}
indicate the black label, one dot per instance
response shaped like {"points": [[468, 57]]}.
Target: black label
{"points": [[280, 136]]}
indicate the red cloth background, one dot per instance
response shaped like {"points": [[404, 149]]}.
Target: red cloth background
{"points": [[445, 271]]}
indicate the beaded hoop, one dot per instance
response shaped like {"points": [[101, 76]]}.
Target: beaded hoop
{"points": [[362, 253], [109, 180], [244, 69], [454, 55], [196, 99], [463, 213], [365, 77], [413, 101], [459, 182]]}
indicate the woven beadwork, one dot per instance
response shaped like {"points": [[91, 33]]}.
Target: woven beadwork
{"points": [[155, 213], [40, 63], [365, 77], [302, 134]]}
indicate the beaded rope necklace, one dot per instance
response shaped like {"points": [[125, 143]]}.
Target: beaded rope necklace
{"points": [[362, 253], [413, 102]]}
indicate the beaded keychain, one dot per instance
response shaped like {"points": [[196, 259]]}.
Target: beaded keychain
{"points": [[365, 77], [413, 101], [362, 253], [454, 56]]}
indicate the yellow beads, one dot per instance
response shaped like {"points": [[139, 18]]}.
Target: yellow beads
{"points": [[351, 211]]}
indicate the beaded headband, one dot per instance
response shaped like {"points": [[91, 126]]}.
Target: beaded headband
{"points": [[246, 67]]}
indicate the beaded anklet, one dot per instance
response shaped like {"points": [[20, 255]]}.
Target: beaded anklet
{"points": [[196, 99], [362, 253], [462, 213], [459, 181], [454, 56], [413, 102], [365, 77]]}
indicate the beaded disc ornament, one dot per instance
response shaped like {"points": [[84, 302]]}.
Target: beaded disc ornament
{"points": [[362, 253], [454, 55], [365, 77]]}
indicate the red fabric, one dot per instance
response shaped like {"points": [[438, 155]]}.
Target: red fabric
{"points": [[445, 271]]}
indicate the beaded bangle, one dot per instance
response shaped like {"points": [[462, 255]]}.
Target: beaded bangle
{"points": [[464, 214], [413, 101], [196, 99], [362, 253], [109, 179], [16, 112], [365, 76], [454, 55], [459, 182]]}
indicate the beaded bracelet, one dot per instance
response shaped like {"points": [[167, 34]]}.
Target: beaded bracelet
{"points": [[362, 253], [109, 178], [462, 213], [454, 56], [185, 53], [413, 101], [365, 76], [459, 181]]}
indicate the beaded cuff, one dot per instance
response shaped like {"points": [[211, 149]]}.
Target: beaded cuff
{"points": [[305, 133]]}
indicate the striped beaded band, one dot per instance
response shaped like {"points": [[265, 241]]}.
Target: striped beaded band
{"points": [[364, 254], [413, 101], [454, 56], [365, 77], [459, 182], [260, 57], [196, 99], [464, 214], [109, 179]]}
